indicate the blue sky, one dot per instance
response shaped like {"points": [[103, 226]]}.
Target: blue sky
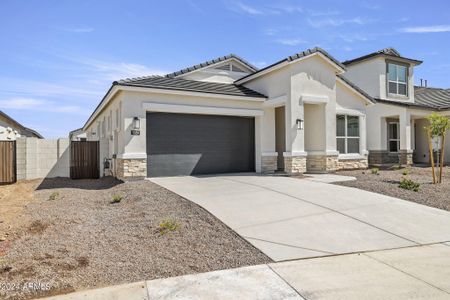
{"points": [[58, 58]]}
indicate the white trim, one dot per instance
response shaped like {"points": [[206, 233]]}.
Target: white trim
{"points": [[351, 156], [322, 153], [285, 62], [276, 101], [98, 110], [314, 99], [118, 88], [215, 65], [189, 93], [138, 155], [269, 154], [348, 111], [205, 110], [295, 154]]}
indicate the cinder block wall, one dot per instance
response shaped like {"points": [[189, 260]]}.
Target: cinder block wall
{"points": [[39, 158]]}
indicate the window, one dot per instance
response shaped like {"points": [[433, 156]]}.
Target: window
{"points": [[393, 137], [347, 134], [397, 79]]}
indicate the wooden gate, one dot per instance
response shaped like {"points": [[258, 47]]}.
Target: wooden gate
{"points": [[7, 162], [84, 160]]}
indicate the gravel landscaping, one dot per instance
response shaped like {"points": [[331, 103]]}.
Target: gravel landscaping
{"points": [[76, 238], [387, 182]]}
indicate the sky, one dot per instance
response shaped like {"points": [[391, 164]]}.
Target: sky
{"points": [[58, 58]]}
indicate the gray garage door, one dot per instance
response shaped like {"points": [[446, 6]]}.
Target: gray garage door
{"points": [[187, 144]]}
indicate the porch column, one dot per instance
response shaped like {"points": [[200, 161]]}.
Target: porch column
{"points": [[406, 132], [295, 155]]}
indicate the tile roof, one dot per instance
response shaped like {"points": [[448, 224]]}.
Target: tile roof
{"points": [[163, 82], [29, 130], [432, 97], [211, 62], [297, 56], [390, 52]]}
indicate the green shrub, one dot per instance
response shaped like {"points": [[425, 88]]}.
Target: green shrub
{"points": [[168, 225], [53, 196], [396, 167], [405, 172], [375, 171], [116, 199], [408, 184]]}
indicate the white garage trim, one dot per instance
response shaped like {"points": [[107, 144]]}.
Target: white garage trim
{"points": [[204, 110], [276, 101]]}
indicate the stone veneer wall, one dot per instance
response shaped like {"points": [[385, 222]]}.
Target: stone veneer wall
{"points": [[131, 168], [380, 157], [295, 164], [352, 164], [321, 163], [405, 157], [269, 163]]}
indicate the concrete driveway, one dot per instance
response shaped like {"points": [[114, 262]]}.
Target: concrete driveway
{"points": [[289, 218]]}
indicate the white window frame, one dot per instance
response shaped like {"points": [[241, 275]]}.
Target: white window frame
{"points": [[391, 139], [397, 82], [346, 137]]}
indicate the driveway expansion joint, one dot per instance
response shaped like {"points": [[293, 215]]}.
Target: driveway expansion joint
{"points": [[288, 245], [331, 209], [290, 285], [404, 272]]}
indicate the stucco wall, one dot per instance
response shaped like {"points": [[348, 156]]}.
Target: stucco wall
{"points": [[370, 75], [39, 158]]}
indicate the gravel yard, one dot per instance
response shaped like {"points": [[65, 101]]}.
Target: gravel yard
{"points": [[387, 183], [75, 238]]}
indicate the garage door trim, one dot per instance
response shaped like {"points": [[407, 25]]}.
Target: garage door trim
{"points": [[203, 110]]}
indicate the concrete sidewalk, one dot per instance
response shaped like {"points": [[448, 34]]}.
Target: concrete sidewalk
{"points": [[420, 272], [289, 218]]}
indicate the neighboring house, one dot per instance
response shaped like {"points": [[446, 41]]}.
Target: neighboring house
{"points": [[77, 135], [305, 113], [396, 123], [10, 129]]}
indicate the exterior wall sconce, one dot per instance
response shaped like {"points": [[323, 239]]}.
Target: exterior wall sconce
{"points": [[299, 123], [136, 123]]}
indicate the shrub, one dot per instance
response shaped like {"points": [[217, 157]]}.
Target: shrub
{"points": [[53, 196], [168, 225], [375, 171], [405, 172], [409, 184], [116, 199], [396, 167]]}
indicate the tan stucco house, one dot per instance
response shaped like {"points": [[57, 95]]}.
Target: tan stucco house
{"points": [[10, 129], [305, 113]]}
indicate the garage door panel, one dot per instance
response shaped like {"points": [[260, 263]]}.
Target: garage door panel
{"points": [[182, 144]]}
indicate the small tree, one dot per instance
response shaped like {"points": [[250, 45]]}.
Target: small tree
{"points": [[437, 129]]}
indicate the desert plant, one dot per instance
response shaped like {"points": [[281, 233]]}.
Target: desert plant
{"points": [[375, 171], [396, 167], [405, 172], [116, 199], [409, 184], [168, 225], [53, 196], [437, 128]]}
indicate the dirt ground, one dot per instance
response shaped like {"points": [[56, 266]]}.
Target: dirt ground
{"points": [[68, 235], [387, 183], [13, 200]]}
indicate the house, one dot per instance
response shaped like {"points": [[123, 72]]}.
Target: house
{"points": [[305, 113], [10, 129], [77, 135], [396, 123]]}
